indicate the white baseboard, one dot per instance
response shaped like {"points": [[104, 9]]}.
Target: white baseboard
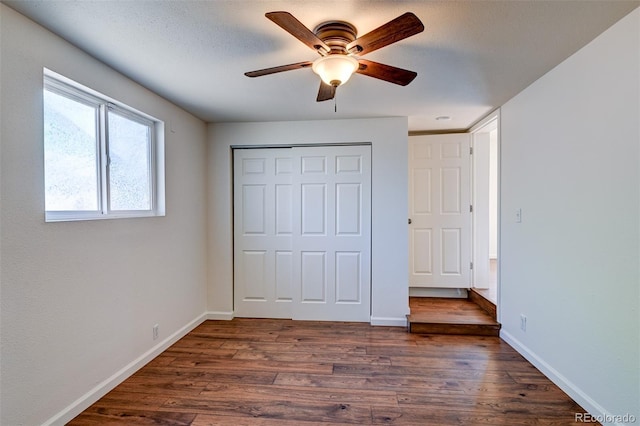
{"points": [[219, 315], [389, 322], [85, 401], [586, 402], [453, 293]]}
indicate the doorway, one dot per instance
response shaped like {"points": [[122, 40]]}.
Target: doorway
{"points": [[485, 193]]}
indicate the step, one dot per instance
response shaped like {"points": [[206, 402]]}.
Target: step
{"points": [[481, 300], [432, 315]]}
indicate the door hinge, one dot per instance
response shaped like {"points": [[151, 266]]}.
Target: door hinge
{"points": [[470, 150], [471, 209], [471, 265]]}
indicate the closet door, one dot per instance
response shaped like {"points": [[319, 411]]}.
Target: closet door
{"points": [[439, 211], [332, 233], [302, 233], [262, 212]]}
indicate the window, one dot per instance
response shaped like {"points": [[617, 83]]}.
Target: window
{"points": [[101, 158]]}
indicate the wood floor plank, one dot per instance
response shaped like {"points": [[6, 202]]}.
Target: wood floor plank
{"points": [[432, 415], [298, 347], [425, 373], [290, 410], [161, 360], [313, 357], [114, 416], [382, 382], [167, 386], [121, 398], [501, 403], [191, 340], [425, 352], [283, 372], [211, 420], [203, 362], [223, 391], [177, 351], [518, 367], [246, 377]]}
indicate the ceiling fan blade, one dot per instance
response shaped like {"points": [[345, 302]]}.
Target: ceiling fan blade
{"points": [[326, 92], [297, 29], [386, 72], [281, 68], [400, 28]]}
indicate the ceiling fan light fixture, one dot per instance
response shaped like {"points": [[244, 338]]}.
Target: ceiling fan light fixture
{"points": [[335, 69]]}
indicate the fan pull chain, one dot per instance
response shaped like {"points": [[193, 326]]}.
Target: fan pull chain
{"points": [[335, 102]]}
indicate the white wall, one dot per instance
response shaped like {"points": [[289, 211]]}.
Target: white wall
{"points": [[570, 159], [79, 299], [389, 202]]}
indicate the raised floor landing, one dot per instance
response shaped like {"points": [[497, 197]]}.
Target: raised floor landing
{"points": [[431, 315]]}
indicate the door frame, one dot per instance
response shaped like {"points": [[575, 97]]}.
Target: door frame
{"points": [[491, 119]]}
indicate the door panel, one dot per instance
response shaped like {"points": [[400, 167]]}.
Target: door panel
{"points": [[422, 255], [313, 208], [284, 266], [348, 203], [450, 191], [255, 264], [254, 212], [348, 282], [421, 178], [451, 251], [283, 209], [313, 283], [439, 202]]}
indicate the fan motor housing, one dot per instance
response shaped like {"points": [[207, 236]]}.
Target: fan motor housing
{"points": [[336, 35]]}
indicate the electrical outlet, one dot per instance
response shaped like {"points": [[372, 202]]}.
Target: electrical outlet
{"points": [[523, 322], [155, 332]]}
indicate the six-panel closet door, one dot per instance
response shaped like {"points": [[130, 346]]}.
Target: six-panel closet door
{"points": [[302, 233], [262, 211]]}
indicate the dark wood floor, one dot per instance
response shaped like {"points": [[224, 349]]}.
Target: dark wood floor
{"points": [[282, 372]]}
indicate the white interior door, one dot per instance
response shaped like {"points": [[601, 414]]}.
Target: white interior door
{"points": [[481, 210], [302, 233], [439, 211], [262, 212], [332, 234]]}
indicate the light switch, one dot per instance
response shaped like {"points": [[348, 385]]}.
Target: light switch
{"points": [[518, 215]]}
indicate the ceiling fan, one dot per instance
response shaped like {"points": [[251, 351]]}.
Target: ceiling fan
{"points": [[340, 50]]}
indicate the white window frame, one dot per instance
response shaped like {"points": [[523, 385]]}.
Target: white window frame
{"points": [[63, 86]]}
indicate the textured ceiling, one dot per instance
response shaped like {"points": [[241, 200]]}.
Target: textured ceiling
{"points": [[472, 57]]}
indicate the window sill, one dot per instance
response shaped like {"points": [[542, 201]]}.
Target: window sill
{"points": [[76, 216]]}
